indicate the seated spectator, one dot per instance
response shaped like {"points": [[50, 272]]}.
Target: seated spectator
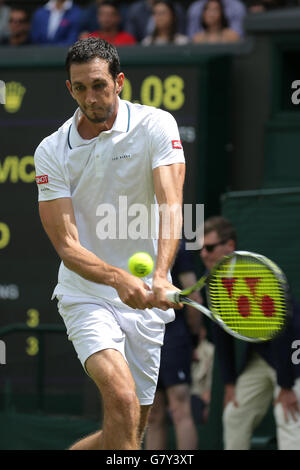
{"points": [[140, 22], [256, 6], [259, 6], [235, 12], [56, 23], [19, 26], [215, 25], [165, 26], [4, 18], [89, 20], [109, 19]]}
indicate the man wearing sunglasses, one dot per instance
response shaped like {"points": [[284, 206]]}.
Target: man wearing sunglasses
{"points": [[266, 370], [19, 25], [219, 240]]}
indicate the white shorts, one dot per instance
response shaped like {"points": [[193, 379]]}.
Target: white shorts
{"points": [[94, 324]]}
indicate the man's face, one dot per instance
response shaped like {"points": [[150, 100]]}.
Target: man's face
{"points": [[94, 89], [108, 18], [210, 256], [18, 22]]}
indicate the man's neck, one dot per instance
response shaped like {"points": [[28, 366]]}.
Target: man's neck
{"points": [[18, 39], [59, 4], [111, 33], [215, 29]]}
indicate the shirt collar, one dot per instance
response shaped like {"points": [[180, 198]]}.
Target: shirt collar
{"points": [[121, 124], [122, 121], [66, 6]]}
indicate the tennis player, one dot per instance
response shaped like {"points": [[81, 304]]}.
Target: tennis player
{"points": [[111, 151]]}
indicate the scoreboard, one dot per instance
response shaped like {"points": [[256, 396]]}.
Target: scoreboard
{"points": [[37, 103]]}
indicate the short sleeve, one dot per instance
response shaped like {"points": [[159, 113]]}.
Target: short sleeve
{"points": [[166, 146], [50, 178]]}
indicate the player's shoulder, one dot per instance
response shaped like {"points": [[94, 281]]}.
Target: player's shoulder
{"points": [[148, 114]]}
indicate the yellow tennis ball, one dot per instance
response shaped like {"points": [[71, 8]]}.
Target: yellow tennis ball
{"points": [[140, 264]]}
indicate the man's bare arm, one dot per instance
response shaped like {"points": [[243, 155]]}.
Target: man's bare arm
{"points": [[168, 185], [59, 222]]}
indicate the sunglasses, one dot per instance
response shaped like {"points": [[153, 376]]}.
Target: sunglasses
{"points": [[12, 20], [210, 248]]}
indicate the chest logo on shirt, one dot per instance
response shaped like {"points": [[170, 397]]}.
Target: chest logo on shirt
{"points": [[125, 156], [41, 179], [176, 144]]}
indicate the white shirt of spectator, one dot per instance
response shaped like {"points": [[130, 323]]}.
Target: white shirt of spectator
{"points": [[56, 15], [179, 40], [117, 163]]}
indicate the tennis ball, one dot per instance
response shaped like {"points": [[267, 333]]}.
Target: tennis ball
{"points": [[140, 264]]}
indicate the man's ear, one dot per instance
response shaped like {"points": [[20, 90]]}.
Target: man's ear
{"points": [[231, 245], [120, 83], [69, 86]]}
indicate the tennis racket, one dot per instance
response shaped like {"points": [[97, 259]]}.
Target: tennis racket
{"points": [[247, 294]]}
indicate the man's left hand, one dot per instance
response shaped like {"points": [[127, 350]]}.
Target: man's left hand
{"points": [[289, 402]]}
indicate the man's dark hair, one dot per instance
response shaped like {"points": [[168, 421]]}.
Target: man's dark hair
{"points": [[222, 226], [20, 7], [85, 50], [110, 3]]}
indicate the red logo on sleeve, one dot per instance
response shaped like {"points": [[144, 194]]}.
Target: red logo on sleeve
{"points": [[41, 179], [176, 144]]}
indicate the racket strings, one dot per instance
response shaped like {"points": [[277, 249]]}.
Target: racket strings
{"points": [[248, 297]]}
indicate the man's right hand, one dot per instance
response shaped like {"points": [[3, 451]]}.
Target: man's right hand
{"points": [[229, 395], [133, 291]]}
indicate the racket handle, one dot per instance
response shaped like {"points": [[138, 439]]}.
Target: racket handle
{"points": [[173, 296]]}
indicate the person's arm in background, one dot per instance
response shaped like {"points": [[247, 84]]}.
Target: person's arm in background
{"points": [[225, 350], [193, 316]]}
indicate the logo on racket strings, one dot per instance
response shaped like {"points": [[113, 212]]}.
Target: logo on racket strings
{"points": [[243, 302]]}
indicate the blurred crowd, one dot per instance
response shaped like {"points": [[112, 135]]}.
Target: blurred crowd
{"points": [[146, 22]]}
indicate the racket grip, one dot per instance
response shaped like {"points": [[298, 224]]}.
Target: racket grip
{"points": [[173, 296]]}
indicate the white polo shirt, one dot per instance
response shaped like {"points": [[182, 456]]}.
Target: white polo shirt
{"points": [[110, 181]]}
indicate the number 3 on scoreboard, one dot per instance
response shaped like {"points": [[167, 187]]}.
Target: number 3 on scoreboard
{"points": [[32, 348]]}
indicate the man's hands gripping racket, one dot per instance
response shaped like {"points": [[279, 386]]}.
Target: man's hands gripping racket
{"points": [[247, 296]]}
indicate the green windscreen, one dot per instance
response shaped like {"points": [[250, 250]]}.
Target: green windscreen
{"points": [[268, 222]]}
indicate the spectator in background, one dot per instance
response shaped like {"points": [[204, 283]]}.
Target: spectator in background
{"points": [[19, 27], [214, 25], [165, 26], [4, 18], [235, 12], [173, 389], [260, 6], [256, 6], [109, 19], [266, 371], [89, 17], [140, 22], [56, 23]]}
